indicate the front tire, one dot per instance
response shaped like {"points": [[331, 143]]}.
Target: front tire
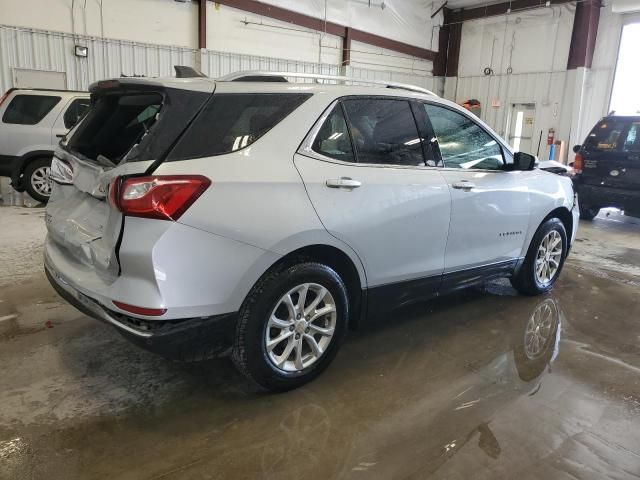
{"points": [[544, 259], [291, 326], [36, 179]]}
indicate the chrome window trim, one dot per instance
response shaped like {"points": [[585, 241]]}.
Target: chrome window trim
{"points": [[501, 143], [307, 150]]}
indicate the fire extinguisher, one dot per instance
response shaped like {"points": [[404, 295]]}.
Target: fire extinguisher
{"points": [[550, 136], [552, 148]]}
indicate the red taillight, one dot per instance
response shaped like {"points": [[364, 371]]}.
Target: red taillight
{"points": [[162, 197], [149, 312], [578, 163]]}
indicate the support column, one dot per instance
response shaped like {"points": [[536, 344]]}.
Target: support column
{"points": [[446, 63], [202, 33], [449, 40], [202, 24], [346, 50], [583, 36]]}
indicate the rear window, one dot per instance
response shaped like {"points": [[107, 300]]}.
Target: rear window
{"points": [[29, 109], [232, 121], [606, 135], [115, 124]]}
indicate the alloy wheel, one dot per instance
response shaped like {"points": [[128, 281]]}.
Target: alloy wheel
{"points": [[548, 258], [300, 327], [41, 181]]}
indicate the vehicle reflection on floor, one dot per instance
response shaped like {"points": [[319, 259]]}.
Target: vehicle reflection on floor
{"points": [[462, 411], [481, 384]]}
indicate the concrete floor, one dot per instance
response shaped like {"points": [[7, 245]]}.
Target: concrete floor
{"points": [[446, 390]]}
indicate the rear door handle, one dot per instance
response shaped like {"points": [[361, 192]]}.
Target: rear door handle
{"points": [[343, 182], [463, 185]]}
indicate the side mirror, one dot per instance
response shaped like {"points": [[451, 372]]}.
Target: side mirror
{"points": [[576, 148], [523, 161]]}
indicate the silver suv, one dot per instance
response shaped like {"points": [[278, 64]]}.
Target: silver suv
{"points": [[32, 122], [263, 219]]}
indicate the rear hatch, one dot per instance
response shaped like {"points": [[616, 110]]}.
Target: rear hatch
{"points": [[131, 124], [611, 154]]}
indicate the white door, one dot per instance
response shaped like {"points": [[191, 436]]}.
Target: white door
{"points": [[382, 200], [73, 111], [489, 205], [521, 126], [27, 120]]}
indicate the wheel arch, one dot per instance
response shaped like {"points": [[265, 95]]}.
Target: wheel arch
{"points": [[564, 215], [342, 263], [21, 165]]}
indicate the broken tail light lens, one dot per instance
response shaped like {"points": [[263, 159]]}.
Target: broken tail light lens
{"points": [[61, 171], [161, 197]]}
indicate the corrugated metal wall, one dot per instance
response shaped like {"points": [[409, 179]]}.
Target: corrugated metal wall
{"points": [[551, 92], [43, 50], [108, 58]]}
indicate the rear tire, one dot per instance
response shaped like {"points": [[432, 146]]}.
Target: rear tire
{"points": [[588, 213], [544, 260], [36, 179], [291, 326]]}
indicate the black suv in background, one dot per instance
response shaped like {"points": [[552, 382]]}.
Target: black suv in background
{"points": [[607, 167]]}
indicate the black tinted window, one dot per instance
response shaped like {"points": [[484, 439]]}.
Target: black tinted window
{"points": [[384, 131], [115, 124], [632, 140], [29, 109], [463, 143], [230, 122], [333, 138], [606, 135], [75, 112]]}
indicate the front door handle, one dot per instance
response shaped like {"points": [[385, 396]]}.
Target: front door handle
{"points": [[463, 185], [343, 182]]}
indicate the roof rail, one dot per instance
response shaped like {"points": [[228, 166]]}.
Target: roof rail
{"points": [[257, 76]]}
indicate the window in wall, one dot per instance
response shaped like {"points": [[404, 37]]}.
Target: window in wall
{"points": [[333, 138], [384, 131], [463, 143]]}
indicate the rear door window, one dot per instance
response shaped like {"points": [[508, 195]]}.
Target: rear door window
{"points": [[29, 109], [384, 131], [230, 122], [76, 110], [606, 135], [333, 139]]}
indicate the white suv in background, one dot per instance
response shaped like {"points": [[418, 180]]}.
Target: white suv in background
{"points": [[32, 122], [204, 217]]}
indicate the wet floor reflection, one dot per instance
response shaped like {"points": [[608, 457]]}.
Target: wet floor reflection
{"points": [[484, 384]]}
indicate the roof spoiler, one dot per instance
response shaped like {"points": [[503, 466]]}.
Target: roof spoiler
{"points": [[182, 71]]}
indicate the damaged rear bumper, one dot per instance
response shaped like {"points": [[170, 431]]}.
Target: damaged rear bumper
{"points": [[188, 339]]}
